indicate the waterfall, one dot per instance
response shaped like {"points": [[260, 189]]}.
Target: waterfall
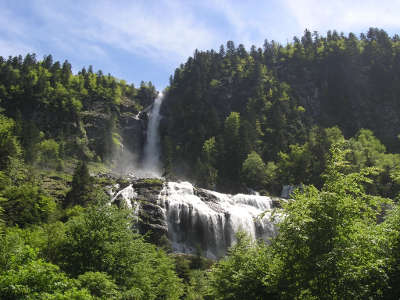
{"points": [[194, 218], [191, 217], [209, 220], [151, 165]]}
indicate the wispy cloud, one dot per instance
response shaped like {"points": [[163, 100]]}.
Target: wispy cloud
{"points": [[8, 48], [345, 15], [253, 21], [164, 31]]}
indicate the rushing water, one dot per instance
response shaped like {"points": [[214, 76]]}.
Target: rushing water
{"points": [[209, 220], [198, 218], [151, 166]]}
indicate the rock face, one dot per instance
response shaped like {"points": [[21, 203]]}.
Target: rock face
{"points": [[133, 132], [196, 219], [151, 214], [127, 122]]}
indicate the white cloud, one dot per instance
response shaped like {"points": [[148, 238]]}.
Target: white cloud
{"points": [[344, 15], [11, 48], [165, 31], [253, 21]]}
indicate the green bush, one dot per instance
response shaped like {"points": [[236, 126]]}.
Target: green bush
{"points": [[99, 285], [31, 280], [26, 204], [101, 240]]}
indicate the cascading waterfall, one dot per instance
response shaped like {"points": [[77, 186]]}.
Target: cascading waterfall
{"points": [[210, 220], [196, 218], [151, 159]]}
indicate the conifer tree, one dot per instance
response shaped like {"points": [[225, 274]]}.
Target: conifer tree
{"points": [[81, 186]]}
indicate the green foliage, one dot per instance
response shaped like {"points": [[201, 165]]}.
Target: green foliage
{"points": [[13, 250], [243, 273], [73, 110], [259, 118], [328, 242], [30, 138], [26, 204], [33, 280], [23, 275], [392, 230], [234, 98], [366, 149], [151, 182], [101, 240], [197, 288], [231, 150], [81, 187], [304, 164], [207, 165], [49, 153], [1, 220], [99, 285], [71, 294], [9, 145], [329, 245], [182, 267], [254, 171], [285, 97]]}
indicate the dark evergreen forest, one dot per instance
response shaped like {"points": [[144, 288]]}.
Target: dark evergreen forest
{"points": [[284, 105]]}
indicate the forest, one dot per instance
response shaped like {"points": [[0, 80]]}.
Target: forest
{"points": [[320, 114]]}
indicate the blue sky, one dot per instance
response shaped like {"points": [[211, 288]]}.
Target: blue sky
{"points": [[147, 40]]}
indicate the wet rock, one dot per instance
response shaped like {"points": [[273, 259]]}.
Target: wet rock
{"points": [[205, 195]]}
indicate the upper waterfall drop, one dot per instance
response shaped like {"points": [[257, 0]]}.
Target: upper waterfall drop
{"points": [[151, 164]]}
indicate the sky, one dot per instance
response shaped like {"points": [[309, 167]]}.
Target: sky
{"points": [[147, 39]]}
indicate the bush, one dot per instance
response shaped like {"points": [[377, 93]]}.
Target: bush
{"points": [[254, 171], [9, 146], [101, 240], [99, 284], [31, 280], [26, 204], [49, 153]]}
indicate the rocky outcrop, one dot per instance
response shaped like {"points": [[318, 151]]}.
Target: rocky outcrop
{"points": [[126, 121], [151, 215], [132, 133]]}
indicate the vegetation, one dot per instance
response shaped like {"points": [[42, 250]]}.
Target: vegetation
{"points": [[277, 101], [329, 246], [59, 115]]}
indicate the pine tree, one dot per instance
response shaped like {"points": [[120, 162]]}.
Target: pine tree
{"points": [[81, 187]]}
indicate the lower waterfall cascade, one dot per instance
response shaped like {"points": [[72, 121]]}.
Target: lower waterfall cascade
{"points": [[196, 218], [212, 224]]}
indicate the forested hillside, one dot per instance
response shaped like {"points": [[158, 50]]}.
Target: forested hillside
{"points": [[67, 115], [275, 108]]}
